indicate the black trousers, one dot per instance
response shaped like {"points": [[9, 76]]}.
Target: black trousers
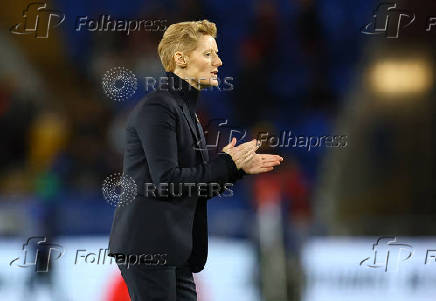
{"points": [[159, 283]]}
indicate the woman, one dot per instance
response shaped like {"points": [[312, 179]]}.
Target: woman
{"points": [[160, 238]]}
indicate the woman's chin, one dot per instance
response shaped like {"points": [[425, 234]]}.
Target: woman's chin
{"points": [[213, 82], [209, 83]]}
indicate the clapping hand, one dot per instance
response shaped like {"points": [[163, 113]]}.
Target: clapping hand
{"points": [[245, 157]]}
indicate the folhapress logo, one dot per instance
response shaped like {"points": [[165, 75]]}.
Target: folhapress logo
{"points": [[38, 20], [387, 254], [37, 252], [388, 20]]}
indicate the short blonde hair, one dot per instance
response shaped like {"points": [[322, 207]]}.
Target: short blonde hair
{"points": [[182, 37]]}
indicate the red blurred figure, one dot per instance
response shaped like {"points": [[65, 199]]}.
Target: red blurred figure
{"points": [[118, 290]]}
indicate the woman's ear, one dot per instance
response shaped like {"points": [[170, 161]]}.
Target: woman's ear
{"points": [[180, 59]]}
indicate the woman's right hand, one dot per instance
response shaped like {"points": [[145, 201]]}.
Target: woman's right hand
{"points": [[242, 153], [245, 157]]}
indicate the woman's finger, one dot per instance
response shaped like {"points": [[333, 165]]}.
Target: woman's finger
{"points": [[271, 157], [270, 163], [242, 153], [264, 169], [230, 145]]}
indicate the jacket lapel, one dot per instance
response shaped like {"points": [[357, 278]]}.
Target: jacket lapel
{"points": [[198, 142], [203, 150]]}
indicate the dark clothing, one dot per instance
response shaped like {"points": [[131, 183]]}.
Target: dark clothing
{"points": [[160, 284], [162, 146]]}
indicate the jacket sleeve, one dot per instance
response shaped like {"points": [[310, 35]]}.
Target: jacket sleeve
{"points": [[224, 186], [155, 124]]}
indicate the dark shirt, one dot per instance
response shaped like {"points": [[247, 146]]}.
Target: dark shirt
{"points": [[190, 96]]}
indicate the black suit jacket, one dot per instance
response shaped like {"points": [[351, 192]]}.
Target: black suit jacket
{"points": [[162, 147]]}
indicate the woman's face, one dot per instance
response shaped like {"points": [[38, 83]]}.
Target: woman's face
{"points": [[203, 62]]}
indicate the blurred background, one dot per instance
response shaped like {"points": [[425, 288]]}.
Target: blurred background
{"points": [[334, 222]]}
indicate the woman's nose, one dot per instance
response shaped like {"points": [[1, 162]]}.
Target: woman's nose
{"points": [[218, 62]]}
